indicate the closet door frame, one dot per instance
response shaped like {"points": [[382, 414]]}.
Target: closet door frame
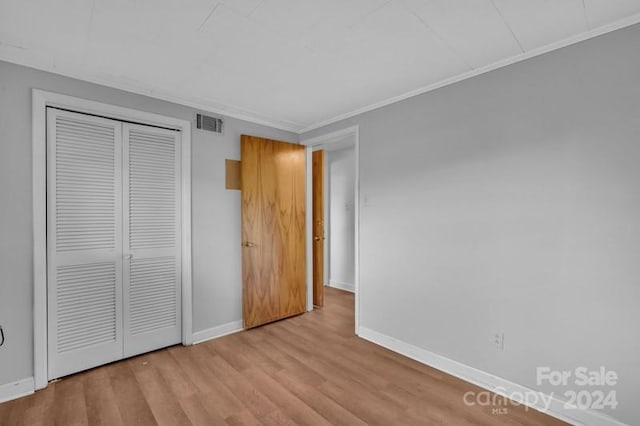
{"points": [[40, 101]]}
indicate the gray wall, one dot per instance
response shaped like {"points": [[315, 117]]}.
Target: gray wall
{"points": [[511, 202], [217, 285], [341, 168]]}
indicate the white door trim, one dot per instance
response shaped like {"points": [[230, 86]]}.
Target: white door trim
{"points": [[40, 101], [324, 140]]}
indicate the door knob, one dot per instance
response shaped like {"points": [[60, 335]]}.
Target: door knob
{"points": [[316, 238], [248, 244]]}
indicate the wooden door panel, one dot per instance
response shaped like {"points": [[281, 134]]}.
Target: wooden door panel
{"points": [[318, 227], [273, 230]]}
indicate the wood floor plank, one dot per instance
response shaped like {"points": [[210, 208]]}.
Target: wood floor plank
{"points": [[255, 400], [357, 383], [244, 418], [172, 373], [163, 404], [197, 369], [335, 356], [14, 414], [238, 343], [5, 409], [306, 370], [132, 403], [277, 418], [100, 397], [297, 410], [302, 372], [331, 410], [363, 404], [199, 410], [237, 358], [39, 413], [70, 407]]}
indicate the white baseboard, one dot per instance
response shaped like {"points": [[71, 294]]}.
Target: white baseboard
{"points": [[489, 381], [342, 286], [17, 389], [215, 332]]}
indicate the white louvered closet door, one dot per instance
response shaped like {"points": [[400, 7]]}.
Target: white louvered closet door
{"points": [[84, 241], [152, 275]]}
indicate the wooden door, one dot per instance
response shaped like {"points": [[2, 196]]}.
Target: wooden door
{"points": [[318, 227], [273, 230]]}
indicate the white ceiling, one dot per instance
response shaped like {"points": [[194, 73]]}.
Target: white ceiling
{"points": [[293, 64]]}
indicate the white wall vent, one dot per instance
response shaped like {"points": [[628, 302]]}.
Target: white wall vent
{"points": [[211, 124]]}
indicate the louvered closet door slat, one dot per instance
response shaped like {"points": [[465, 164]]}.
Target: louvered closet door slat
{"points": [[84, 241], [152, 291]]}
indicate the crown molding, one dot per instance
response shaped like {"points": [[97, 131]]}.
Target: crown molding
{"points": [[200, 104], [623, 23], [22, 57]]}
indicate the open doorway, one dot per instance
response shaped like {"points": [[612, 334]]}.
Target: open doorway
{"points": [[334, 219], [332, 215], [320, 219]]}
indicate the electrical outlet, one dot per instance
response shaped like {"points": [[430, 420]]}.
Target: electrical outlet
{"points": [[498, 340]]}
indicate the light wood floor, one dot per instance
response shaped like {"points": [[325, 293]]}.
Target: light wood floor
{"points": [[309, 369]]}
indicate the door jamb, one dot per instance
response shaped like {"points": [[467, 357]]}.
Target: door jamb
{"points": [[324, 140], [40, 101]]}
